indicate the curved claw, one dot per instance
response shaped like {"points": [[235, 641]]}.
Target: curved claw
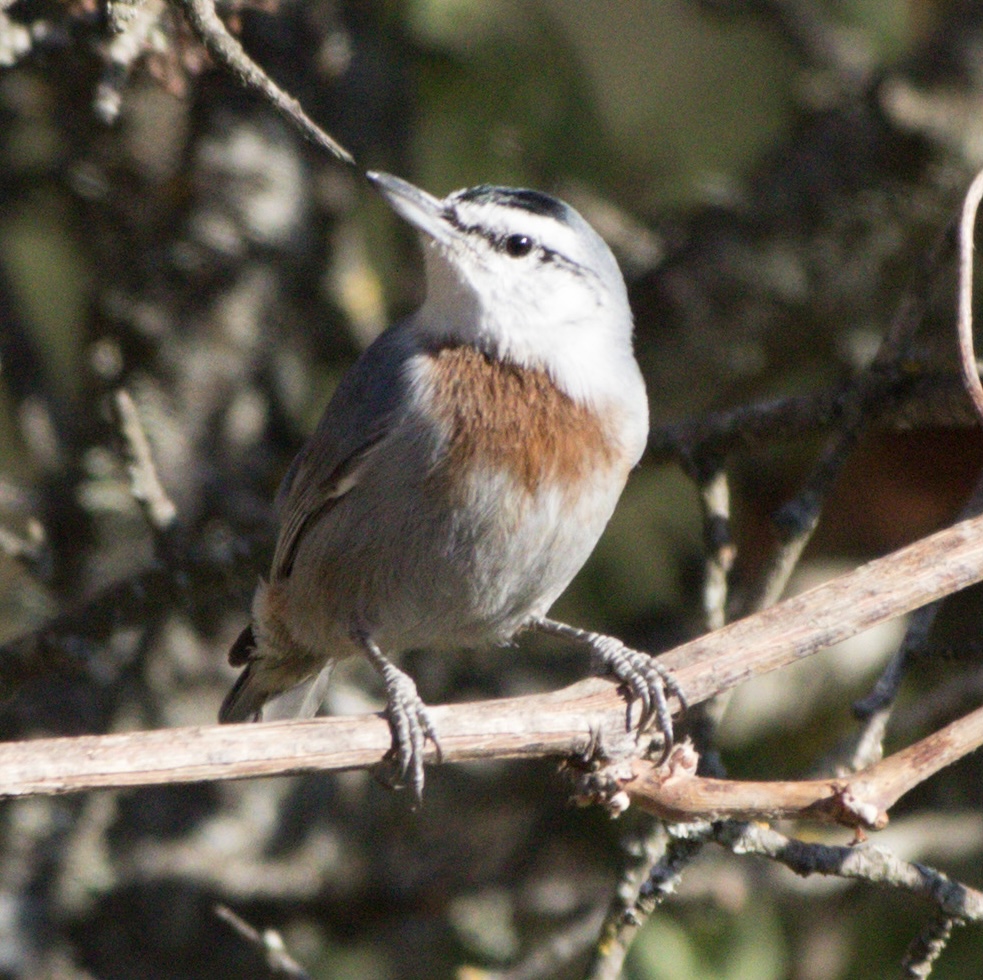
{"points": [[647, 683], [645, 680], [409, 719], [410, 724]]}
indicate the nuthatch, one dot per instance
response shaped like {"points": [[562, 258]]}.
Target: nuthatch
{"points": [[465, 467]]}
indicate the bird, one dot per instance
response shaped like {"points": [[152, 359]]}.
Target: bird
{"points": [[463, 470]]}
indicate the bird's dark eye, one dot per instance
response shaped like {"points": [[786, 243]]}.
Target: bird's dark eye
{"points": [[518, 245]]}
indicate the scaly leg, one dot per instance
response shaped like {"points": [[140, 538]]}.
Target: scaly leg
{"points": [[640, 672], [408, 717]]}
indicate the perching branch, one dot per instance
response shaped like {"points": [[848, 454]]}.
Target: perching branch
{"points": [[562, 723]]}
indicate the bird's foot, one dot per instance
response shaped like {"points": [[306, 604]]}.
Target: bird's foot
{"points": [[644, 680], [409, 722]]}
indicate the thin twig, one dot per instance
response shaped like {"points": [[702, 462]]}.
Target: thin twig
{"points": [[927, 947], [145, 483], [886, 687], [645, 886], [269, 942], [917, 398], [796, 522], [711, 478], [967, 357], [227, 51], [674, 792], [715, 500], [866, 863]]}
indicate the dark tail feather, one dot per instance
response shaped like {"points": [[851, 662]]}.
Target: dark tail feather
{"points": [[245, 701], [243, 648], [290, 694]]}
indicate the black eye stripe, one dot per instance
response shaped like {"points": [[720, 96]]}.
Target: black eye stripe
{"points": [[498, 242]]}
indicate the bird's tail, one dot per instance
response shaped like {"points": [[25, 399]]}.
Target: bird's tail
{"points": [[244, 702], [259, 685], [246, 699]]}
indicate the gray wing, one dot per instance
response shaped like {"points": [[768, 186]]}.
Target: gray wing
{"points": [[359, 416]]}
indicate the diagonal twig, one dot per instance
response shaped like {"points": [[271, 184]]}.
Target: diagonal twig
{"points": [[674, 792], [228, 52], [269, 942], [871, 864]]}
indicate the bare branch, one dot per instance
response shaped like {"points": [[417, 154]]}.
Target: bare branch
{"points": [[269, 942], [715, 500], [144, 481], [552, 724], [887, 685], [644, 886], [917, 398], [714, 487], [228, 52], [967, 357], [866, 863], [674, 792]]}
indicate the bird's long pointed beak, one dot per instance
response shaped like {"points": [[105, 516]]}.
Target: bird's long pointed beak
{"points": [[422, 210]]}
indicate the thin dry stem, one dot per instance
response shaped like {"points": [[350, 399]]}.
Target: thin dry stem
{"points": [[269, 942], [674, 792], [967, 356], [228, 52], [871, 864], [145, 483]]}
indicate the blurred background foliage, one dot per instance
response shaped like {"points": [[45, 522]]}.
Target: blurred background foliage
{"points": [[769, 174]]}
